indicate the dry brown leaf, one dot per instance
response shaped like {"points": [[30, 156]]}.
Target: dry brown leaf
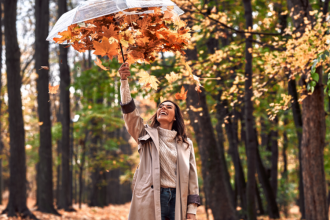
{"points": [[44, 67], [99, 63]]}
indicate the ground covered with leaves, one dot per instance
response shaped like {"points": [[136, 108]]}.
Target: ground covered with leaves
{"points": [[114, 212]]}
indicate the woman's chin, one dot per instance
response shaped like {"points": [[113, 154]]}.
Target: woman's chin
{"points": [[163, 120]]}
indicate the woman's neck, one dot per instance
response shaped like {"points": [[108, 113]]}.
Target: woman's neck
{"points": [[167, 126]]}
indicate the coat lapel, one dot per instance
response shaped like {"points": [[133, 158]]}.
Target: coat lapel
{"points": [[153, 132]]}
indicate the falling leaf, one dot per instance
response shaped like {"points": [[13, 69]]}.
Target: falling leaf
{"points": [[40, 123], [105, 48], [99, 63], [53, 89], [148, 80], [195, 109], [182, 95], [214, 10], [172, 77], [44, 67]]}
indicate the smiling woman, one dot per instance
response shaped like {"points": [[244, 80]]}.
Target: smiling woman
{"points": [[165, 185]]}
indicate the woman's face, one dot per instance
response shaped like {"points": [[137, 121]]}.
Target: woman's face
{"points": [[166, 112]]}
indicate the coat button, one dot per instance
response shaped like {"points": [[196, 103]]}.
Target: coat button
{"points": [[152, 186]]}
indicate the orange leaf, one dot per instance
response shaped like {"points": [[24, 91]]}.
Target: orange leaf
{"points": [[105, 48], [110, 32], [182, 95], [53, 89], [44, 67], [99, 63], [40, 123], [66, 35]]}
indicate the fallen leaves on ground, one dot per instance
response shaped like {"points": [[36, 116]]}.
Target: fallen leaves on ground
{"points": [[115, 212]]}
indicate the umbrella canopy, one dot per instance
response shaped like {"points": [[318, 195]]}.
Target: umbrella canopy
{"points": [[97, 8]]}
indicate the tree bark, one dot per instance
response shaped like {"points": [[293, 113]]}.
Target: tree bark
{"points": [[17, 165], [251, 141], [274, 158], [272, 207], [313, 131], [312, 146], [231, 130], [1, 143], [65, 194], [45, 171], [297, 118], [213, 172]]}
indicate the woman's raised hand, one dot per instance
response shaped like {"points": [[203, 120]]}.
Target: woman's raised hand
{"points": [[124, 71]]}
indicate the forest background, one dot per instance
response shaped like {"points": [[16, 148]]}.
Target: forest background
{"points": [[258, 122]]}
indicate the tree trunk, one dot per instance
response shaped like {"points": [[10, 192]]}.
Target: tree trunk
{"points": [[273, 211], [297, 118], [312, 146], [1, 143], [274, 158], [221, 113], [45, 171], [251, 141], [300, 10], [212, 170], [231, 130], [65, 194], [259, 201], [17, 165]]}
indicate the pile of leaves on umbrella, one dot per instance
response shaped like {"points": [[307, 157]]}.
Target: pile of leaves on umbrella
{"points": [[140, 36]]}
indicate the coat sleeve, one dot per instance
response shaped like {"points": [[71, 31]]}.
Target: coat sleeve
{"points": [[193, 190], [133, 122]]}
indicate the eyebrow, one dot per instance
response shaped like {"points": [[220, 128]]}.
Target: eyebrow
{"points": [[167, 105]]}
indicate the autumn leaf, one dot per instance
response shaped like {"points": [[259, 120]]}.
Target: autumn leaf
{"points": [[99, 63], [110, 32], [196, 109], [144, 36], [40, 123], [182, 95], [172, 77], [148, 80], [44, 67], [53, 89], [66, 35], [105, 48]]}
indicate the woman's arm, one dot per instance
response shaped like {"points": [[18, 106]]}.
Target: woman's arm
{"points": [[193, 190], [133, 122]]}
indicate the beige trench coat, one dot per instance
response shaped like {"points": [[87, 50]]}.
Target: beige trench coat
{"points": [[145, 203]]}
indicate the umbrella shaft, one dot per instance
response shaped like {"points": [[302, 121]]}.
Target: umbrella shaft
{"points": [[122, 53]]}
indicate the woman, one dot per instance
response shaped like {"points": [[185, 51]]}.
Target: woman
{"points": [[165, 185]]}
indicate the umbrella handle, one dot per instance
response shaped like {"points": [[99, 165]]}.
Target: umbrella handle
{"points": [[122, 53]]}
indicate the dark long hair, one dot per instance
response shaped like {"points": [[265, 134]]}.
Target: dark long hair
{"points": [[178, 124]]}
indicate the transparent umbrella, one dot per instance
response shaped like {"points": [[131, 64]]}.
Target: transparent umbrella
{"points": [[97, 8]]}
